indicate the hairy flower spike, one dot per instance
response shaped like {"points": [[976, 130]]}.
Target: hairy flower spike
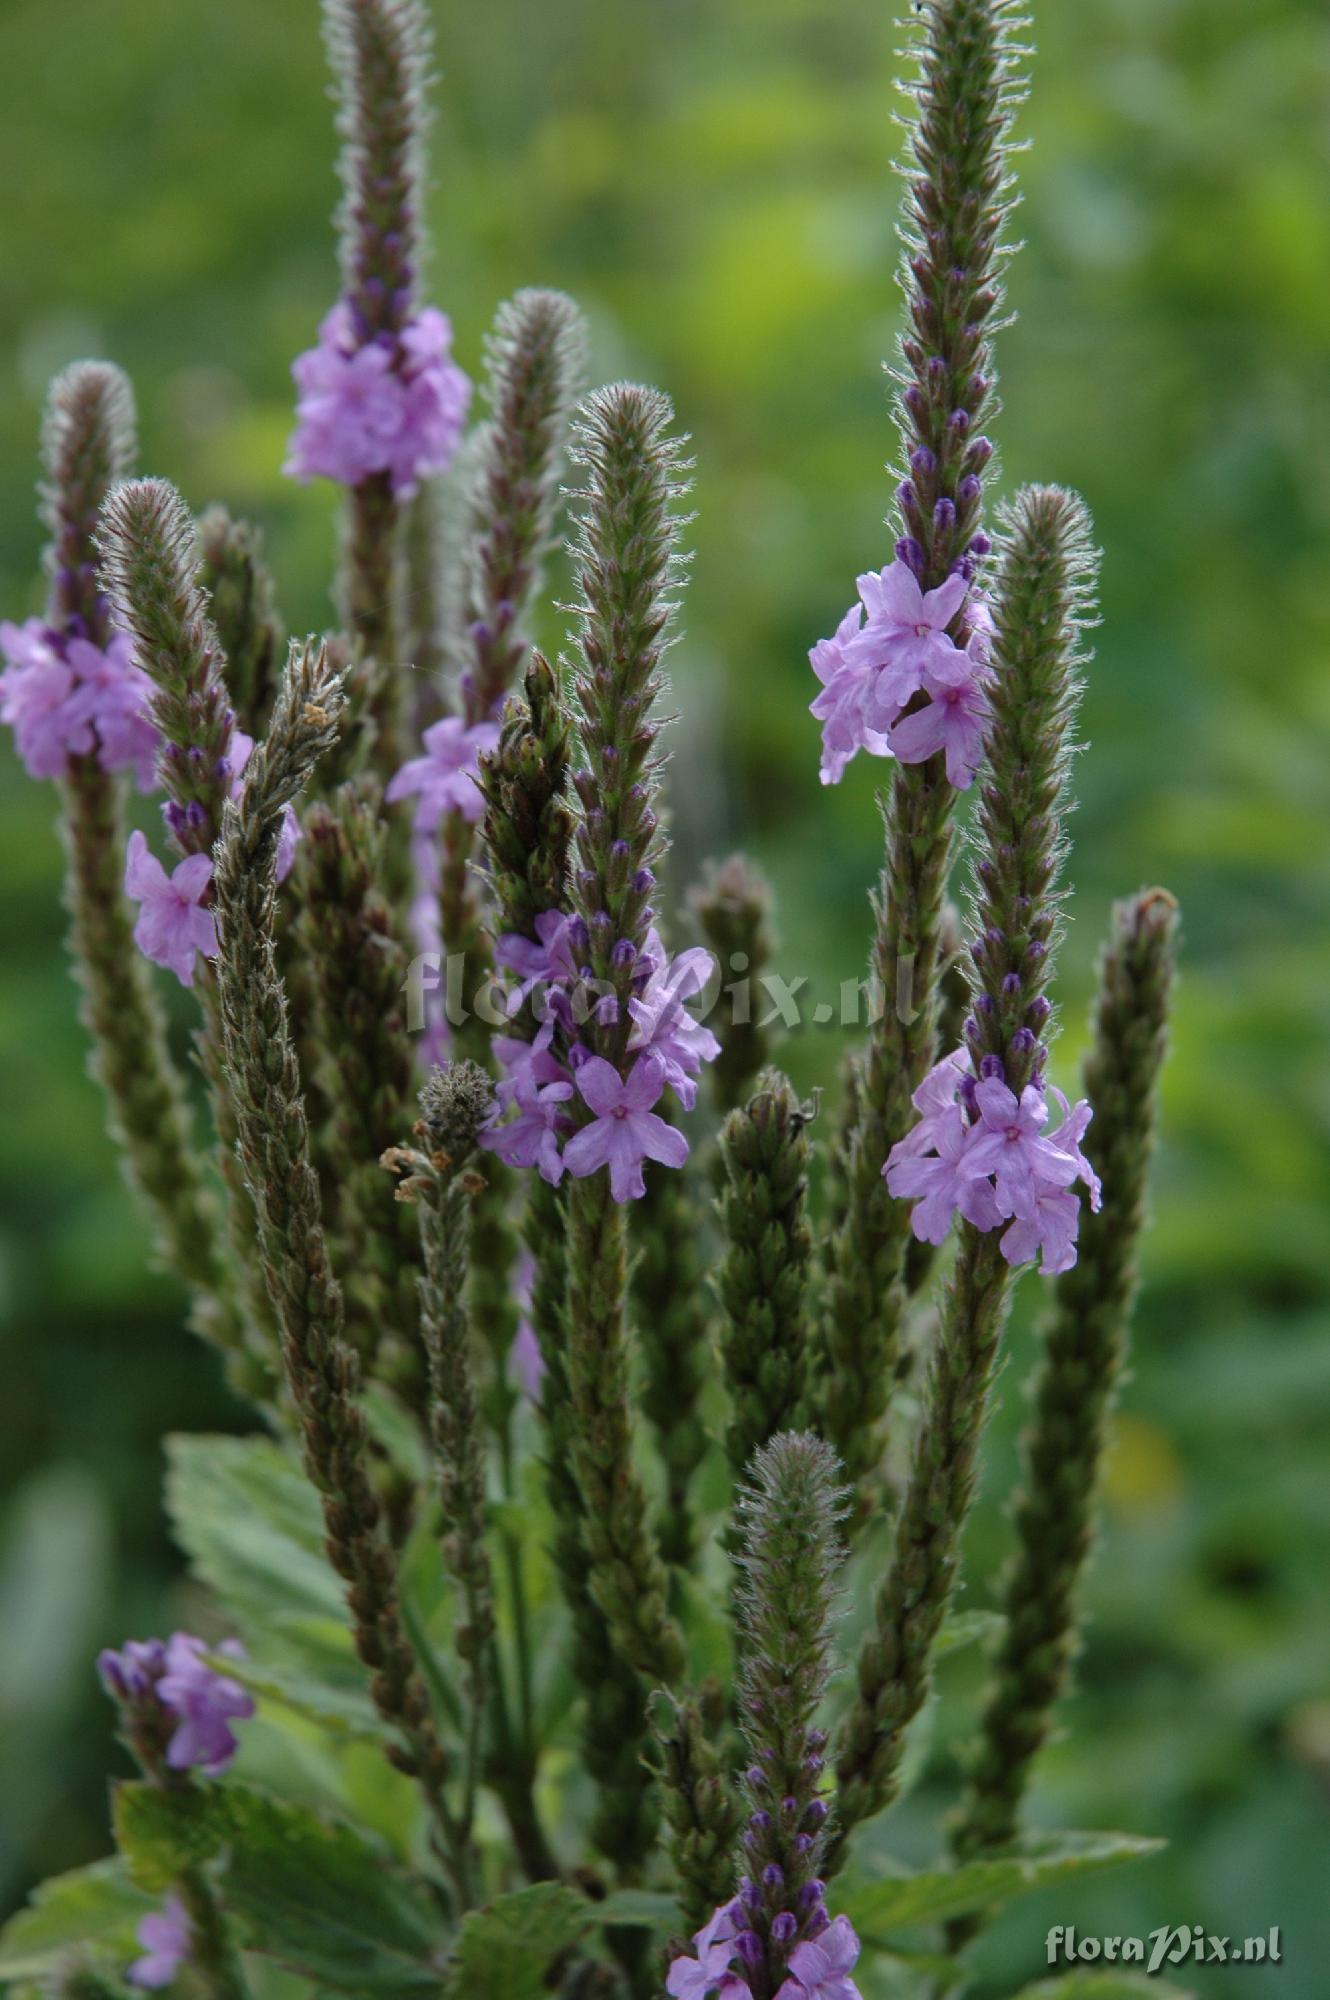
{"points": [[763, 1281], [1085, 1347], [244, 610], [789, 1516], [732, 908], [627, 560], [150, 570], [89, 444], [379, 51], [957, 198], [455, 1103], [1043, 600], [273, 1138], [536, 355]]}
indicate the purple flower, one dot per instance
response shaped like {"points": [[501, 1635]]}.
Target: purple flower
{"points": [[165, 1938], [531, 1139], [37, 698], [905, 634], [172, 924], [132, 1674], [663, 1024], [708, 1976], [206, 1703], [115, 696], [998, 1165], [625, 1130], [954, 721], [847, 705], [445, 777], [526, 1363], [394, 406], [943, 1185], [819, 1969], [546, 959]]}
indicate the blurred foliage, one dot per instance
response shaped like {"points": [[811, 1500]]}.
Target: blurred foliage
{"points": [[710, 179]]}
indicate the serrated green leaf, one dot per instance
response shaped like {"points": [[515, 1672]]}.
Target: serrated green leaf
{"points": [[251, 1525], [640, 1909], [162, 1833], [89, 1906], [506, 1950], [898, 1902], [310, 1893], [1104, 1986]]}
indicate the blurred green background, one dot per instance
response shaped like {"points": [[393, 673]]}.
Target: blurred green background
{"points": [[711, 179]]}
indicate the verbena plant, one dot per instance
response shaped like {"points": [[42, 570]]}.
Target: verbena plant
{"points": [[527, 1659]]}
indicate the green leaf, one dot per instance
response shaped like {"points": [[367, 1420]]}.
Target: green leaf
{"points": [[640, 1909], [898, 1902], [161, 1834], [1104, 1986], [252, 1527], [506, 1950], [312, 1894], [89, 1906], [967, 1628]]}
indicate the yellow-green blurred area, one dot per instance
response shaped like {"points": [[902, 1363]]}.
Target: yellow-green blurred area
{"points": [[711, 179]]}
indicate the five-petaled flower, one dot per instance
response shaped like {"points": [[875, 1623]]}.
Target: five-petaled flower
{"points": [[819, 1968], [392, 405], [624, 1130], [708, 1975]]}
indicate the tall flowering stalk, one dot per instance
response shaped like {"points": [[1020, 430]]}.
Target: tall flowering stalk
{"points": [[627, 562], [273, 1139], [1084, 1350], [382, 403], [150, 571], [89, 447], [957, 197], [982, 1109]]}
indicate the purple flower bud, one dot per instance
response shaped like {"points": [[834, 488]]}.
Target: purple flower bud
{"points": [[980, 545], [1011, 983], [913, 398], [906, 498], [789, 1804], [195, 814], [812, 1892], [801, 1843], [944, 515], [815, 1812], [1039, 1010], [978, 452], [195, 754], [760, 1823], [755, 1777], [748, 1946], [937, 370], [601, 922], [984, 1004], [747, 1893], [959, 420], [990, 1068], [625, 951], [174, 815], [978, 388], [968, 490], [643, 882], [923, 461], [784, 1928], [773, 1876], [818, 1921], [1022, 1042], [609, 755], [911, 553]]}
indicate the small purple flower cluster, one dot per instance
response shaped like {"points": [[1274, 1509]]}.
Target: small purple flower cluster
{"points": [[666, 1048], [374, 403], [891, 647], [981, 1152], [728, 1953], [168, 1692], [65, 697]]}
